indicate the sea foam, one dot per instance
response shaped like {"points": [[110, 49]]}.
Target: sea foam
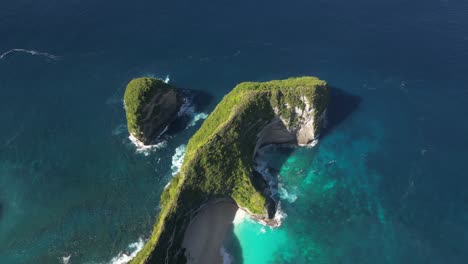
{"points": [[66, 259], [145, 149], [178, 159], [131, 252], [261, 166], [280, 215], [197, 117], [290, 197], [31, 52], [194, 116]]}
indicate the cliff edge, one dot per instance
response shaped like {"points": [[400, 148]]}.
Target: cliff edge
{"points": [[151, 105], [218, 163]]}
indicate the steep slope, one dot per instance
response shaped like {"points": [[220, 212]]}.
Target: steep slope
{"points": [[219, 157], [151, 105]]}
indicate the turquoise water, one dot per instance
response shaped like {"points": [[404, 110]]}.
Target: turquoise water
{"points": [[327, 195], [385, 184]]}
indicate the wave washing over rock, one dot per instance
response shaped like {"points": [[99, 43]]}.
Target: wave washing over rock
{"points": [[196, 117], [132, 250], [178, 159], [145, 149], [240, 125]]}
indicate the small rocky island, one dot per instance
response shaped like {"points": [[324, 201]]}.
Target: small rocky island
{"points": [[219, 159], [151, 105]]}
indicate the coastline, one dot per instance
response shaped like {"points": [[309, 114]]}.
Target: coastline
{"points": [[204, 237]]}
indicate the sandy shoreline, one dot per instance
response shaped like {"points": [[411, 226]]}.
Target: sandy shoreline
{"points": [[206, 233]]}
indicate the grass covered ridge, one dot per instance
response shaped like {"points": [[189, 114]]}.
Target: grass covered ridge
{"points": [[219, 158]]}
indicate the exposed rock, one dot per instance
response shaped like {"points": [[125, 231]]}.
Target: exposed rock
{"points": [[218, 162], [151, 106]]}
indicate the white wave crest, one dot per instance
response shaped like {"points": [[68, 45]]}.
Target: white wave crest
{"points": [[189, 110], [197, 117], [132, 250], [280, 215], [145, 149], [313, 143], [227, 259], [178, 159], [31, 52], [66, 259]]}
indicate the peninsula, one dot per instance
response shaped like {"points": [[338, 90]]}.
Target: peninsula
{"points": [[218, 164]]}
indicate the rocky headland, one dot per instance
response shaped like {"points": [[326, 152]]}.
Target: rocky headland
{"points": [[218, 164]]}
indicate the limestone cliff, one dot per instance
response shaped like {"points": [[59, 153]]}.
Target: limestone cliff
{"points": [[151, 105], [218, 162]]}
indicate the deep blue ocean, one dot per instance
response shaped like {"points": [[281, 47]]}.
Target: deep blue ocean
{"points": [[387, 182]]}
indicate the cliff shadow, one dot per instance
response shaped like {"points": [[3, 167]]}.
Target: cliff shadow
{"points": [[342, 105], [270, 159], [199, 101], [233, 247], [266, 174]]}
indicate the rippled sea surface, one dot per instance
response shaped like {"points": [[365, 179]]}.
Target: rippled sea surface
{"points": [[385, 184]]}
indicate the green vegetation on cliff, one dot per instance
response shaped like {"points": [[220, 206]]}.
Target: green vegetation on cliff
{"points": [[219, 158], [150, 106]]}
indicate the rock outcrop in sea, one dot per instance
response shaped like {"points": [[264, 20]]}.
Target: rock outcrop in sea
{"points": [[151, 106], [219, 158]]}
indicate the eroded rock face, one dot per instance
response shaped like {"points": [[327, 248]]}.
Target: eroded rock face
{"points": [[218, 162], [151, 106], [301, 130]]}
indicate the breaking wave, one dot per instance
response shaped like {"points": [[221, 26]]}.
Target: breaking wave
{"points": [[66, 259], [280, 215], [197, 117], [129, 254], [178, 159], [31, 52], [261, 166], [189, 110], [145, 149]]}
